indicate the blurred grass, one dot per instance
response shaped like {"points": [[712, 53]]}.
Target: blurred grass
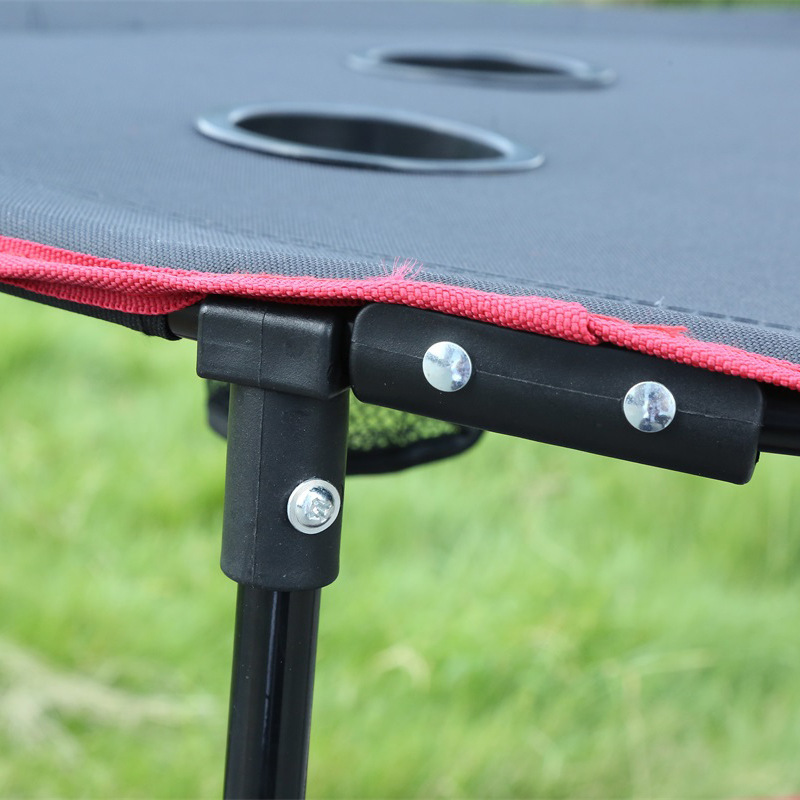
{"points": [[521, 621]]}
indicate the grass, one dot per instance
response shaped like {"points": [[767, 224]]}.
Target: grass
{"points": [[521, 621]]}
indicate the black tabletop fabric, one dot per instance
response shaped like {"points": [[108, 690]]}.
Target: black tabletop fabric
{"points": [[668, 198]]}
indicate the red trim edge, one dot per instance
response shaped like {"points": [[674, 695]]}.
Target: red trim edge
{"points": [[139, 289]]}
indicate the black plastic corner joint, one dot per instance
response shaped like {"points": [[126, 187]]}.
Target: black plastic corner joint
{"points": [[285, 348], [287, 428]]}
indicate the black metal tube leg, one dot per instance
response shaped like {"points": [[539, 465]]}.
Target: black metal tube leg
{"points": [[273, 675], [281, 530], [276, 441]]}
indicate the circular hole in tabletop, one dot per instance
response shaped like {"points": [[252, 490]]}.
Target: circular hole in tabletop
{"points": [[515, 68], [368, 137]]}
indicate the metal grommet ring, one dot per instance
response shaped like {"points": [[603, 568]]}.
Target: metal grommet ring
{"points": [[362, 136]]}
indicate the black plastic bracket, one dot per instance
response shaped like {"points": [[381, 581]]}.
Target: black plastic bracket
{"points": [[558, 392], [287, 424], [294, 349], [523, 384]]}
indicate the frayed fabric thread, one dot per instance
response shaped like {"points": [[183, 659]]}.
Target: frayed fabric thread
{"points": [[141, 289]]}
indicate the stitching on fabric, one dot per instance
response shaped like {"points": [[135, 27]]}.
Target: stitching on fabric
{"points": [[311, 244], [713, 315], [150, 290]]}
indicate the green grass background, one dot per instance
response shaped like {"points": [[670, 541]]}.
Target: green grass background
{"points": [[522, 621], [519, 622]]}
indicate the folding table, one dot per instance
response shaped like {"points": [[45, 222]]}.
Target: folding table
{"points": [[571, 225]]}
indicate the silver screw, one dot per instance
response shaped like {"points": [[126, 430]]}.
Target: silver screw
{"points": [[649, 406], [447, 366], [313, 506]]}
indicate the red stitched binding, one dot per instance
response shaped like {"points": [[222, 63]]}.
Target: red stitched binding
{"points": [[140, 289]]}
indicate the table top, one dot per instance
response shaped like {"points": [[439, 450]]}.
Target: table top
{"points": [[668, 197]]}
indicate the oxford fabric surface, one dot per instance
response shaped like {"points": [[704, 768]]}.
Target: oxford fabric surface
{"points": [[669, 198]]}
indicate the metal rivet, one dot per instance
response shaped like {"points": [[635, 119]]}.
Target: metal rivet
{"points": [[649, 406], [447, 366], [314, 506]]}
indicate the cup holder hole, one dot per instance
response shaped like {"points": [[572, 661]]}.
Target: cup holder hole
{"points": [[365, 137], [516, 68]]}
